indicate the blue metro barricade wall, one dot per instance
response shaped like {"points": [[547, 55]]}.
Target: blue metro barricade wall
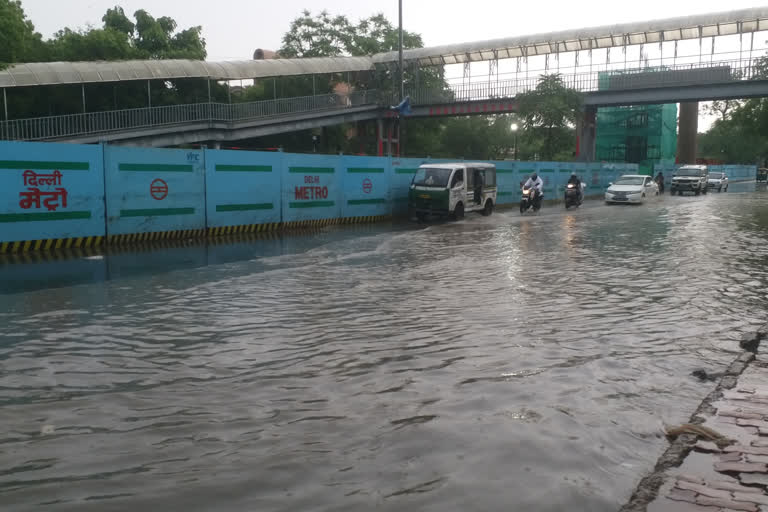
{"points": [[154, 190], [311, 188], [51, 193], [365, 186], [242, 188], [62, 195]]}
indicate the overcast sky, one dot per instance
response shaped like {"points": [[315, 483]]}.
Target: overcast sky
{"points": [[234, 28]]}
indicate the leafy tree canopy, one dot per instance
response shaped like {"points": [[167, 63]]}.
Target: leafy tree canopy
{"points": [[325, 35], [549, 113], [18, 40]]}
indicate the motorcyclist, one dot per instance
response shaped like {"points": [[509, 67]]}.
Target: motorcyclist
{"points": [[576, 182], [660, 182], [537, 184]]}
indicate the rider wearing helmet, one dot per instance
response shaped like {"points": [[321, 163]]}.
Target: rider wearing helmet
{"points": [[536, 182], [576, 182]]}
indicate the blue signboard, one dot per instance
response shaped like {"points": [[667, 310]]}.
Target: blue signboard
{"points": [[242, 187], [154, 190], [311, 188], [365, 186], [50, 191]]}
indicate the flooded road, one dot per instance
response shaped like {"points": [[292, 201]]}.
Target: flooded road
{"points": [[498, 363]]}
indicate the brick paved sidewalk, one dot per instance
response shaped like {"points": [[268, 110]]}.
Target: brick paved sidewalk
{"points": [[736, 477]]}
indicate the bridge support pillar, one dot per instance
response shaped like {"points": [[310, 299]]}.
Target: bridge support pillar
{"points": [[387, 131], [688, 125], [585, 135]]}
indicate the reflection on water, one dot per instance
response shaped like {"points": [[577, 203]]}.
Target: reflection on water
{"points": [[494, 364]]}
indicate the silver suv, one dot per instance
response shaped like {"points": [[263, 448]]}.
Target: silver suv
{"points": [[690, 178]]}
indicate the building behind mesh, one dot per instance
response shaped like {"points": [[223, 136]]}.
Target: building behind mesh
{"points": [[643, 134]]}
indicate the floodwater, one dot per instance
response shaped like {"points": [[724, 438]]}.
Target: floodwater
{"points": [[498, 363]]}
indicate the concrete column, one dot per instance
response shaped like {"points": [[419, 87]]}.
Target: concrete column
{"points": [[688, 128], [585, 131]]}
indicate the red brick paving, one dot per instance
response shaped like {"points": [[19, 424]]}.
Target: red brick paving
{"points": [[736, 477]]}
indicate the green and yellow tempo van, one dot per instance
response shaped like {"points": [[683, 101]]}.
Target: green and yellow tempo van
{"points": [[452, 189]]}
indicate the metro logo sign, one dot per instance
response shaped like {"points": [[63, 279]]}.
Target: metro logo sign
{"points": [[313, 189], [306, 193]]}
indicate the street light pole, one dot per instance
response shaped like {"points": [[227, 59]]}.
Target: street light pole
{"points": [[400, 47], [514, 130]]}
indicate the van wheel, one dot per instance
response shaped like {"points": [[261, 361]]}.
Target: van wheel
{"points": [[458, 212], [488, 210]]}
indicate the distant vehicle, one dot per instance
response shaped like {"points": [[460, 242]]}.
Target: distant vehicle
{"points": [[450, 190], [718, 180], [690, 178], [762, 174], [631, 188]]}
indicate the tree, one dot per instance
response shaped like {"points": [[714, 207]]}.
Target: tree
{"points": [[476, 137], [739, 135], [18, 40], [549, 113], [115, 19], [120, 38], [324, 35], [90, 45], [155, 38], [722, 108]]}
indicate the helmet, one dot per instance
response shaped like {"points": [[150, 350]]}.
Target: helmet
{"points": [[534, 176]]}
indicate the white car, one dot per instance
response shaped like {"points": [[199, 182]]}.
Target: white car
{"points": [[631, 188], [718, 180]]}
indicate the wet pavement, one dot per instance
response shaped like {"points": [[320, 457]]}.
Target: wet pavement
{"points": [[733, 477], [492, 364]]}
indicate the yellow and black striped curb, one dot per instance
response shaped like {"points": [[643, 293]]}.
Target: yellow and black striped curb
{"points": [[364, 220], [243, 228], [50, 244], [244, 237], [157, 235], [304, 224]]}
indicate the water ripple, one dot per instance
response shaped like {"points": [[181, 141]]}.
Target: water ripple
{"points": [[494, 363]]}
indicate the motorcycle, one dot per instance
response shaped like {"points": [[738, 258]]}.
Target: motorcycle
{"points": [[530, 199], [573, 196], [660, 183]]}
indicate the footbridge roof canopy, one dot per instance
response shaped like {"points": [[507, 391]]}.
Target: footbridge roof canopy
{"points": [[671, 29]]}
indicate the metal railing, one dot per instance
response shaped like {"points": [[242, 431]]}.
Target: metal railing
{"points": [[613, 80], [96, 123]]}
